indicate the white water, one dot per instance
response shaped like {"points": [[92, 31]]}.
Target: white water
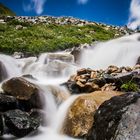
{"points": [[54, 70], [120, 52], [11, 65], [52, 132]]}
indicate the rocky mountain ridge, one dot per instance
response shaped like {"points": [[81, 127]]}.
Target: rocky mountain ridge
{"points": [[65, 21]]}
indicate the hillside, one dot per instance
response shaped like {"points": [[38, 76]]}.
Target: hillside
{"points": [[5, 11], [41, 34]]}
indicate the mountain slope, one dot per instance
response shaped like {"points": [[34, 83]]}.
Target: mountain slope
{"points": [[5, 11], [43, 34]]}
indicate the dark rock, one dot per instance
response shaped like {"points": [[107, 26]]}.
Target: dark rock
{"points": [[20, 123], [7, 103], [99, 81], [40, 115], [108, 78], [34, 102], [72, 86], [117, 119], [1, 125], [125, 77], [82, 71]]}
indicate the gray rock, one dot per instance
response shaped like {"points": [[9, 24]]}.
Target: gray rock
{"points": [[117, 119]]}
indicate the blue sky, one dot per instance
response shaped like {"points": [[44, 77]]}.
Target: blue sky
{"points": [[114, 12]]}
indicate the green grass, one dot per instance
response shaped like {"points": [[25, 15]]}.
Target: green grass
{"points": [[38, 38], [130, 86]]}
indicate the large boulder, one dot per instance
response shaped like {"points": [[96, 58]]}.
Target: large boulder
{"points": [[20, 123], [7, 103], [27, 93], [19, 88], [79, 118], [117, 119]]}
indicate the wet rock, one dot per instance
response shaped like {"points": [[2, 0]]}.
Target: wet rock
{"points": [[72, 86], [65, 57], [79, 118], [1, 125], [20, 123], [87, 80], [59, 94], [76, 52], [27, 94], [56, 68], [117, 119], [124, 77], [39, 115], [7, 103], [19, 88]]}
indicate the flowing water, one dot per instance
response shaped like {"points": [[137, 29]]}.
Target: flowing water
{"points": [[120, 52], [52, 69]]}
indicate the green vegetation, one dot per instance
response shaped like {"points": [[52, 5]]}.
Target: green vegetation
{"points": [[5, 11], [37, 38], [130, 86]]}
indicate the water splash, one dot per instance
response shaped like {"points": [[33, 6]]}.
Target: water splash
{"points": [[55, 118]]}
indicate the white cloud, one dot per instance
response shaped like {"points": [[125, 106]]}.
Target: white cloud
{"points": [[82, 1], [134, 18], [36, 5]]}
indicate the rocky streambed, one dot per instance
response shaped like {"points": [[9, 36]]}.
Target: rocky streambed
{"points": [[106, 105]]}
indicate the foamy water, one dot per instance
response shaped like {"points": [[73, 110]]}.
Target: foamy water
{"points": [[120, 52]]}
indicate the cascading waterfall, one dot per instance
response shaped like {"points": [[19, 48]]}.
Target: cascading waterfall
{"points": [[11, 66], [121, 52]]}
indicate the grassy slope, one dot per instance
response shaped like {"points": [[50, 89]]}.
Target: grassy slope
{"points": [[41, 37], [5, 11]]}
